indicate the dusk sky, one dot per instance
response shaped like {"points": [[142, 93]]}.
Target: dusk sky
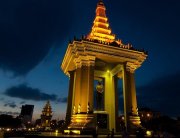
{"points": [[34, 35]]}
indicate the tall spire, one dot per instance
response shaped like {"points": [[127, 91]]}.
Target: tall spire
{"points": [[100, 30], [100, 2], [46, 115]]}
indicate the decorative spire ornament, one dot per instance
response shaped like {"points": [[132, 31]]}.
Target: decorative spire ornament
{"points": [[46, 115], [101, 30]]}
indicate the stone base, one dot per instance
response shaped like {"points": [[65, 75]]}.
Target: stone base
{"points": [[81, 123], [135, 123], [101, 120], [96, 122], [135, 120]]}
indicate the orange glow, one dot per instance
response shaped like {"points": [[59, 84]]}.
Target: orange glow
{"points": [[149, 133], [100, 23], [100, 30], [148, 115], [76, 131], [66, 131], [100, 18]]}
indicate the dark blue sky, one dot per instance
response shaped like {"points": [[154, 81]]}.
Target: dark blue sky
{"points": [[34, 36]]}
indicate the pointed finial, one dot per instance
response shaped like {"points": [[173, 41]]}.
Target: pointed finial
{"points": [[100, 2], [101, 30]]}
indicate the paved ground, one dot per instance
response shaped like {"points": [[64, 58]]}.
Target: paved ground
{"points": [[56, 135]]}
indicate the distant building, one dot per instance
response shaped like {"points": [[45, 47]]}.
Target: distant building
{"points": [[26, 113], [147, 114], [38, 123], [46, 116]]}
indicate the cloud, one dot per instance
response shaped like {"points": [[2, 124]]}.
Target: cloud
{"points": [[22, 102], [10, 104], [62, 100], [28, 31], [27, 93], [1, 99], [161, 94], [9, 113]]}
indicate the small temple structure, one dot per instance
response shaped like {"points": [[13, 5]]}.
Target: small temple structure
{"points": [[100, 57], [46, 116]]}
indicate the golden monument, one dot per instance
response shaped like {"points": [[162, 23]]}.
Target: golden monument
{"points": [[100, 56], [46, 116]]}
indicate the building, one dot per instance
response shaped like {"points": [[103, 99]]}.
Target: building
{"points": [[101, 57], [46, 116], [38, 124], [147, 114], [26, 113]]}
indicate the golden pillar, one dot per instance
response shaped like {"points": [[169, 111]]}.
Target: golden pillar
{"points": [[117, 126], [110, 99], [84, 84], [87, 85], [134, 117], [133, 93], [82, 101], [130, 102], [70, 97], [90, 88], [77, 90], [126, 95]]}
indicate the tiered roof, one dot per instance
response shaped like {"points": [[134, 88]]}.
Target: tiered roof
{"points": [[101, 30], [47, 110]]}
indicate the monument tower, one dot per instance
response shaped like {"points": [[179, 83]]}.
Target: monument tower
{"points": [[46, 116], [100, 56]]}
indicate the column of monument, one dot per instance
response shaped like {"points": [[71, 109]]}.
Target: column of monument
{"points": [[84, 84], [133, 93], [110, 99], [126, 95], [129, 92], [77, 90], [70, 97], [116, 103], [84, 88], [91, 87]]}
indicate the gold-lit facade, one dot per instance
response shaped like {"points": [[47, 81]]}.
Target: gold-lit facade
{"points": [[101, 30], [100, 56], [46, 116]]}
